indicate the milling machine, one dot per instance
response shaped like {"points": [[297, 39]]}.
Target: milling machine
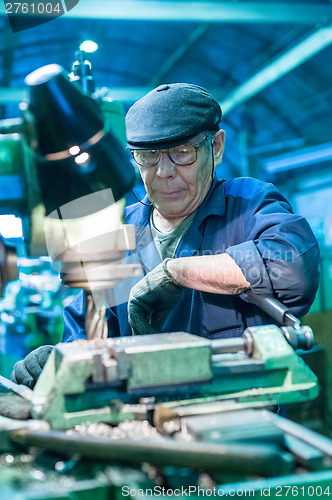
{"points": [[162, 415]]}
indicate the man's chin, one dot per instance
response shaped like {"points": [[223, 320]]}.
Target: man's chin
{"points": [[172, 212]]}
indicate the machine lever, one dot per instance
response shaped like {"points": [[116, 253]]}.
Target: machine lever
{"points": [[299, 337], [273, 308]]}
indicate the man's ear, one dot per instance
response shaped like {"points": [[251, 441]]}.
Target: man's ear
{"points": [[218, 146]]}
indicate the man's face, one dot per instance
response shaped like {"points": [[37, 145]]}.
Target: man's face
{"points": [[178, 190]]}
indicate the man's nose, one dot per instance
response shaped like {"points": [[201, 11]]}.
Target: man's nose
{"points": [[165, 167]]}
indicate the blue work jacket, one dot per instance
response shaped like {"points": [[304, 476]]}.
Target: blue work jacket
{"points": [[252, 222]]}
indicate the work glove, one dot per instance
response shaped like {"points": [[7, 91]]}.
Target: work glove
{"points": [[27, 371], [151, 299]]}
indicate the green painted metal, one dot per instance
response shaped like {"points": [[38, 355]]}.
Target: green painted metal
{"points": [[67, 394], [305, 486], [275, 373], [159, 364]]}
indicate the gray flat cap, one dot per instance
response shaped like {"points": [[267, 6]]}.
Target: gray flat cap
{"points": [[171, 115]]}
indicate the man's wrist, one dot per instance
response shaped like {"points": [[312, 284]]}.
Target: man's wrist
{"points": [[170, 270]]}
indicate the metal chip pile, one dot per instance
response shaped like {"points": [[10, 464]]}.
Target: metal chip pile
{"points": [[126, 429]]}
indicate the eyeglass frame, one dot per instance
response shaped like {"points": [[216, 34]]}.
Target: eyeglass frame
{"points": [[161, 151]]}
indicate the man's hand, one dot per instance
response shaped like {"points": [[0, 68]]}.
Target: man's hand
{"points": [[27, 371], [151, 299]]}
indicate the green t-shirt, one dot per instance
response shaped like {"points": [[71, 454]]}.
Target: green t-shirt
{"points": [[167, 243]]}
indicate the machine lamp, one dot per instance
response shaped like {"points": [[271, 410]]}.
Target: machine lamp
{"points": [[76, 154]]}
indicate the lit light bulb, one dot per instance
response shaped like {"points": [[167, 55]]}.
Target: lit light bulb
{"points": [[74, 150], [89, 46], [82, 159]]}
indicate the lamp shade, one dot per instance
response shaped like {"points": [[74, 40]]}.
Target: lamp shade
{"points": [[64, 116], [106, 166], [75, 155]]}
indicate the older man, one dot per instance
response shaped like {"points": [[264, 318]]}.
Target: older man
{"points": [[202, 242], [214, 239]]}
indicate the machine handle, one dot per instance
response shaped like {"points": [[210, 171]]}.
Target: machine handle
{"points": [[299, 337], [272, 307]]}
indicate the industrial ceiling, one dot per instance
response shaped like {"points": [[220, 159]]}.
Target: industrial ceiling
{"points": [[268, 63]]}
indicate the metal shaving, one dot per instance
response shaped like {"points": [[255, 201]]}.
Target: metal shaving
{"points": [[126, 429]]}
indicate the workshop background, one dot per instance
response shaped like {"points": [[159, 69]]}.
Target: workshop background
{"points": [[270, 66]]}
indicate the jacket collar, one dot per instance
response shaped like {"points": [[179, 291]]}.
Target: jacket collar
{"points": [[213, 203]]}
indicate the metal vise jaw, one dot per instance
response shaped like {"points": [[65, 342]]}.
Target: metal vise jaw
{"points": [[105, 380]]}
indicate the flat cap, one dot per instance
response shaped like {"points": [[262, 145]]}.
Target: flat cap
{"points": [[171, 115]]}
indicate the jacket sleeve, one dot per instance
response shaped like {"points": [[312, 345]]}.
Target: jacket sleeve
{"points": [[280, 255], [74, 320]]}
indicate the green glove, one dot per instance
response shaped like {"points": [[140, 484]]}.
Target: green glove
{"points": [[151, 299], [27, 371]]}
